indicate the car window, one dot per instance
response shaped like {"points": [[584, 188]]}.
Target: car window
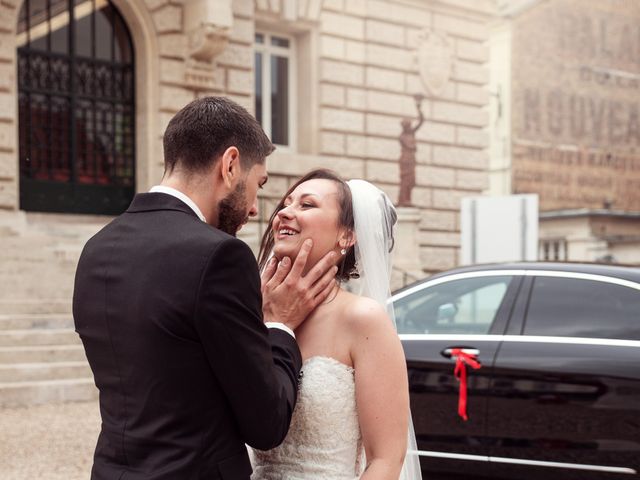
{"points": [[568, 307], [465, 306]]}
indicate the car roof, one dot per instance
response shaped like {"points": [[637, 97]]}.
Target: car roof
{"points": [[617, 271]]}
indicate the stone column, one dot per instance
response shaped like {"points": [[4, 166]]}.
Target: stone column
{"points": [[406, 252]]}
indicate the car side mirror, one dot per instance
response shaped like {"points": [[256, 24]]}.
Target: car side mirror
{"points": [[446, 312]]}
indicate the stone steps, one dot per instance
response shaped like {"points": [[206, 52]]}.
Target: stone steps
{"points": [[35, 306], [30, 372], [42, 359], [26, 321], [41, 354], [38, 336], [17, 394]]}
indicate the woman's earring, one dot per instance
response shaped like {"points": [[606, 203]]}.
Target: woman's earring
{"points": [[343, 251]]}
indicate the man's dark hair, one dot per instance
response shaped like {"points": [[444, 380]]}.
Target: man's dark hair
{"points": [[200, 133]]}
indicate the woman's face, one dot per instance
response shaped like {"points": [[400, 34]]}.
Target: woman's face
{"points": [[311, 211]]}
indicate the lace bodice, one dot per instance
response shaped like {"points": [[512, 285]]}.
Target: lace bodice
{"points": [[324, 441]]}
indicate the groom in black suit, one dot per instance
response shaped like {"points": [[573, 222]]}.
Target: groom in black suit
{"points": [[167, 302]]}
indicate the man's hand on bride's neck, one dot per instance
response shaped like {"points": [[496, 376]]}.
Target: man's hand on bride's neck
{"points": [[288, 295]]}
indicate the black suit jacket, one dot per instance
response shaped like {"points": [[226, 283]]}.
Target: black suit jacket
{"points": [[170, 314]]}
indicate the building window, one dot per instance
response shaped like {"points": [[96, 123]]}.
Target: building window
{"points": [[76, 107], [274, 86], [553, 250]]}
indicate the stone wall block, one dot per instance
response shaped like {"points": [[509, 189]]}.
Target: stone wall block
{"points": [[8, 134], [155, 4], [459, 114], [391, 103], [8, 106], [332, 95], [173, 99], [342, 120], [413, 85], [357, 99], [436, 259], [7, 77], [356, 146], [173, 45], [242, 30], [383, 148], [472, 94], [168, 19], [429, 176], [9, 195], [460, 157], [434, 132], [339, 72], [383, 32], [342, 25], [8, 165], [172, 71], [334, 5], [472, 51], [461, 27], [236, 55], [440, 239], [240, 81], [356, 7], [438, 220], [332, 47], [472, 180], [332, 143], [7, 19], [471, 72], [7, 47], [385, 172], [389, 57], [393, 12], [472, 137], [383, 125], [384, 79], [355, 51], [448, 199], [244, 8]]}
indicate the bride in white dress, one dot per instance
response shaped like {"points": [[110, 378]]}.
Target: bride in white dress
{"points": [[352, 417]]}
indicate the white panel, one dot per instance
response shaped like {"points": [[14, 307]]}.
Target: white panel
{"points": [[499, 229]]}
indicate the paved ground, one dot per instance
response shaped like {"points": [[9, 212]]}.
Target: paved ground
{"points": [[48, 442]]}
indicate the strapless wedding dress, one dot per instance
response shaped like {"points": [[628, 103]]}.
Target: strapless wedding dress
{"points": [[324, 441]]}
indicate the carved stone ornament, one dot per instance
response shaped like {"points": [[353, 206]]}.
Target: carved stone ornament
{"points": [[435, 61], [208, 25]]}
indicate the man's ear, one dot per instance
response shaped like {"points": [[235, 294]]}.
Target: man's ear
{"points": [[230, 168]]}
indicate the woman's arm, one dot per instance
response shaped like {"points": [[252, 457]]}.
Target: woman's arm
{"points": [[382, 393]]}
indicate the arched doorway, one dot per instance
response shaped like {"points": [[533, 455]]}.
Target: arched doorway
{"points": [[76, 107]]}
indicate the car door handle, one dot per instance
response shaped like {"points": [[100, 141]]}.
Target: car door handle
{"points": [[469, 351]]}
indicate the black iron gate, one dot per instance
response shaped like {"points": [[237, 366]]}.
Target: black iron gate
{"points": [[76, 107]]}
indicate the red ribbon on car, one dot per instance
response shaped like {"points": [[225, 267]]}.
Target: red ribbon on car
{"points": [[460, 371]]}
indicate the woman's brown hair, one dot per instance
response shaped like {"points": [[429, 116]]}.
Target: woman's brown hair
{"points": [[347, 268]]}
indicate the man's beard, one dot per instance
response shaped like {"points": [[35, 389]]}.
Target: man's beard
{"points": [[232, 210]]}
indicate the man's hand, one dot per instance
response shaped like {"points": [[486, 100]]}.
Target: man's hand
{"points": [[287, 296]]}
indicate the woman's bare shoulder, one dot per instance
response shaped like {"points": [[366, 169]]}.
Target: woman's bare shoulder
{"points": [[364, 315]]}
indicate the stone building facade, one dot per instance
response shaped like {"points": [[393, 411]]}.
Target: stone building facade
{"points": [[355, 73], [80, 133], [566, 122]]}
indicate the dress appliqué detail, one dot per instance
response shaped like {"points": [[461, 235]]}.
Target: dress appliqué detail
{"points": [[324, 441]]}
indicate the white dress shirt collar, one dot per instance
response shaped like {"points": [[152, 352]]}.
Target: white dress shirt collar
{"points": [[180, 196]]}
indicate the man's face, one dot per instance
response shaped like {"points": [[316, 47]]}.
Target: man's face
{"points": [[235, 209]]}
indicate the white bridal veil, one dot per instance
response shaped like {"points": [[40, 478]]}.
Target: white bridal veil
{"points": [[374, 217]]}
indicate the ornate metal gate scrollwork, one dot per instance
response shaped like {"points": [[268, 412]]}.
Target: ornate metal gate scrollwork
{"points": [[76, 107]]}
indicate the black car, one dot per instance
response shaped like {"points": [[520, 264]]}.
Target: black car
{"points": [[557, 394]]}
